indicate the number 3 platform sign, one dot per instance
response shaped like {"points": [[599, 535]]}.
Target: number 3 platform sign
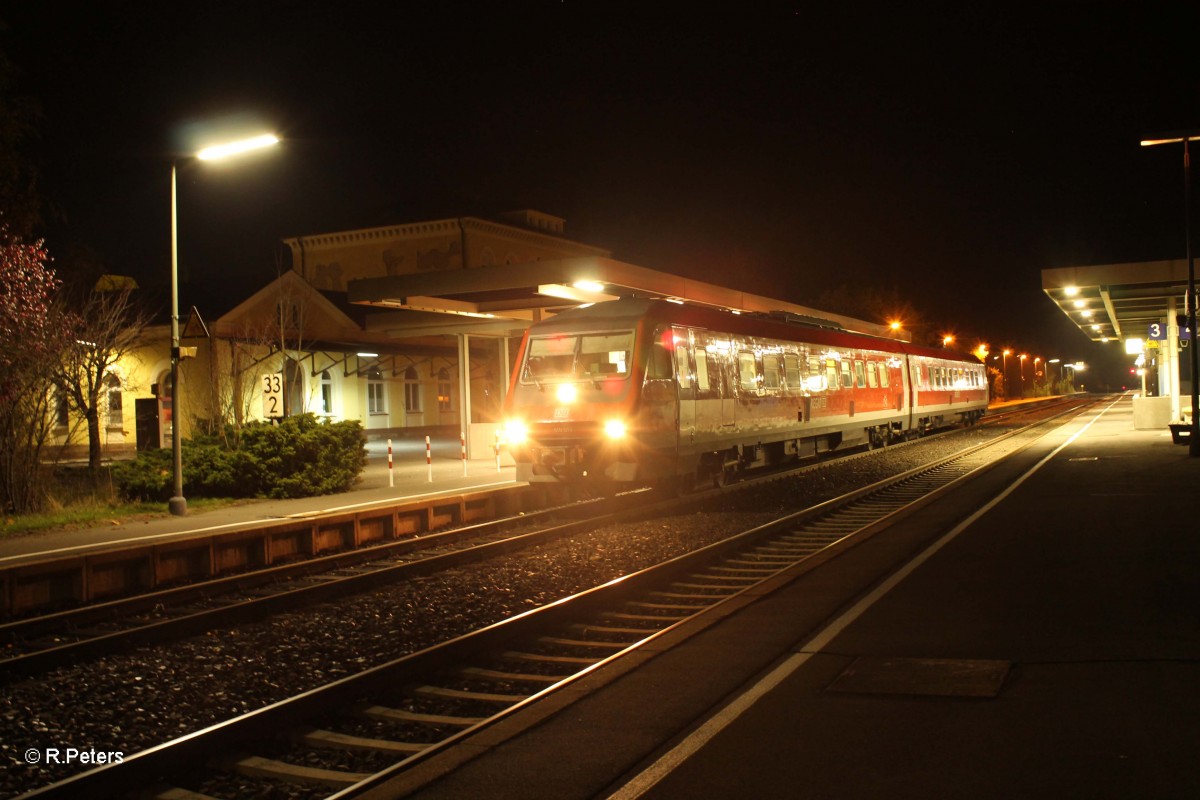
{"points": [[272, 386]]}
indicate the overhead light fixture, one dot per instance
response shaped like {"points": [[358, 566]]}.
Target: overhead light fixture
{"points": [[575, 293], [589, 286], [367, 355], [1071, 291]]}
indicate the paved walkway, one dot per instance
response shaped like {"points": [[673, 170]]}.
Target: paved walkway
{"points": [[410, 477]]}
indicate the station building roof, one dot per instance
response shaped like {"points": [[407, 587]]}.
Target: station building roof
{"points": [[1118, 301], [507, 298]]}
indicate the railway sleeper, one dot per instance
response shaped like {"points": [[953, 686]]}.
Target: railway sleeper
{"points": [[258, 767], [517, 655], [344, 741], [386, 714], [581, 643], [498, 675], [176, 793], [583, 627], [466, 694], [650, 617]]}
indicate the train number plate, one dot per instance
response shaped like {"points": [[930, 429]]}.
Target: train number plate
{"points": [[563, 412]]}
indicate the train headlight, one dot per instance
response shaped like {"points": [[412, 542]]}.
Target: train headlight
{"points": [[566, 393], [614, 429], [515, 431]]}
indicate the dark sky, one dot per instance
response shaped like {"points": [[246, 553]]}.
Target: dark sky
{"points": [[944, 153]]}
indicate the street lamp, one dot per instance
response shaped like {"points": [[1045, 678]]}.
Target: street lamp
{"points": [[178, 503], [1004, 368], [1022, 370], [1060, 368], [1189, 136]]}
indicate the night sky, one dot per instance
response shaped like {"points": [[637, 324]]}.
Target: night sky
{"points": [[942, 154]]}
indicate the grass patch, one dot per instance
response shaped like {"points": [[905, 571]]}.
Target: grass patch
{"points": [[75, 501]]}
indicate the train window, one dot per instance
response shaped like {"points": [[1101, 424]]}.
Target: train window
{"points": [[872, 375], [814, 366], [681, 364], [771, 372], [604, 354], [747, 372], [701, 369], [831, 374], [791, 372], [659, 367], [883, 375], [860, 375], [550, 357], [846, 380]]}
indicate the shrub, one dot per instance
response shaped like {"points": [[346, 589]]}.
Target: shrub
{"points": [[299, 457]]}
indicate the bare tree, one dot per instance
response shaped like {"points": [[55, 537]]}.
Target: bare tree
{"points": [[30, 342], [108, 327]]}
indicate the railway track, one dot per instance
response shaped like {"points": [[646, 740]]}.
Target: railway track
{"points": [[43, 642], [355, 733]]}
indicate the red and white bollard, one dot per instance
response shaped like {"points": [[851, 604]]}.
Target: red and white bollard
{"points": [[429, 459], [391, 477], [462, 441]]}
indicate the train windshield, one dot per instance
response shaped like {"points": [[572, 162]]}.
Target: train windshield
{"points": [[593, 356]]}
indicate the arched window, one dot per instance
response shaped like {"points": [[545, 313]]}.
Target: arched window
{"points": [[412, 390], [293, 381], [112, 396], [326, 392], [376, 396]]}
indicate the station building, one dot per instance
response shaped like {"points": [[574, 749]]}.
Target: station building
{"points": [[406, 328]]}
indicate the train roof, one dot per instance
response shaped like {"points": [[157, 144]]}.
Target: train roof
{"points": [[628, 312]]}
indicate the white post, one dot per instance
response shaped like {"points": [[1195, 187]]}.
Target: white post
{"points": [[391, 477], [429, 459]]}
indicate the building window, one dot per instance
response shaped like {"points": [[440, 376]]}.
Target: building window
{"points": [[443, 390], [112, 391], [62, 411], [326, 393], [376, 396], [412, 391]]}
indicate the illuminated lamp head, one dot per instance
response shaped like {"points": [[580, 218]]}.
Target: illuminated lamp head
{"points": [[614, 429], [515, 431], [566, 393]]}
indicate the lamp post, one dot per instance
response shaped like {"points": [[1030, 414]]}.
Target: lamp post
{"points": [[1189, 136], [178, 503], [1060, 369], [1004, 368], [1022, 371]]}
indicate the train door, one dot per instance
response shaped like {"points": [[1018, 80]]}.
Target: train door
{"points": [[658, 413], [687, 388], [707, 372]]}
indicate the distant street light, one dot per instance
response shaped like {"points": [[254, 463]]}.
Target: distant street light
{"points": [[1023, 357], [1004, 365], [178, 503], [1188, 136]]}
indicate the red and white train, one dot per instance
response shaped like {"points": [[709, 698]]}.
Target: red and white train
{"points": [[641, 391]]}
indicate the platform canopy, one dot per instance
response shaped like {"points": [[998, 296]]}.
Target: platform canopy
{"points": [[1118, 301], [512, 296]]}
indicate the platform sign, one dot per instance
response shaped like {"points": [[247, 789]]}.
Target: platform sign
{"points": [[1157, 331], [272, 386]]}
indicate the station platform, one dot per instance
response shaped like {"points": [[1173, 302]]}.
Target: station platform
{"points": [[412, 474], [1034, 634]]}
